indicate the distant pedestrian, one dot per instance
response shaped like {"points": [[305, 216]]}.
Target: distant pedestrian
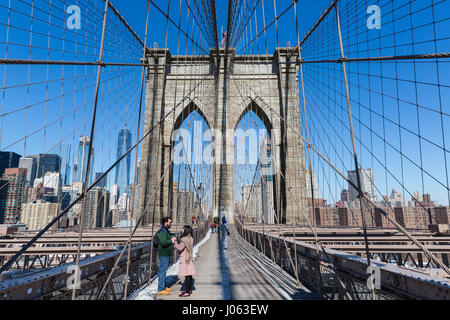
{"points": [[165, 250], [225, 230], [213, 226], [186, 267]]}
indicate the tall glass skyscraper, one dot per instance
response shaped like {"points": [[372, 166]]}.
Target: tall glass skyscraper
{"points": [[66, 150], [123, 168], [80, 169], [46, 163]]}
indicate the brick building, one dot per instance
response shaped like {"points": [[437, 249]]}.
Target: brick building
{"points": [[12, 194]]}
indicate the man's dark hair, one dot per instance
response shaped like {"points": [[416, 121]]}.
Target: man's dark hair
{"points": [[165, 219]]}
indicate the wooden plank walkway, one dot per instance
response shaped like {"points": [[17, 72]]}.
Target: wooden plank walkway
{"points": [[238, 273]]}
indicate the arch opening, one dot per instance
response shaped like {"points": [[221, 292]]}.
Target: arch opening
{"points": [[191, 175], [254, 183]]}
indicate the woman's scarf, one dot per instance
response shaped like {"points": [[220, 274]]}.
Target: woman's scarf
{"points": [[188, 244]]}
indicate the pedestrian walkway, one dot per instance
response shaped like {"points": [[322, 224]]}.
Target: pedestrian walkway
{"points": [[253, 276], [207, 281], [238, 273]]}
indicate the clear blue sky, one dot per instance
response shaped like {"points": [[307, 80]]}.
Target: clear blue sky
{"points": [[67, 113]]}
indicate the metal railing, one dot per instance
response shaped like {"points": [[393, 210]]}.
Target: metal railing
{"points": [[56, 283], [339, 275]]}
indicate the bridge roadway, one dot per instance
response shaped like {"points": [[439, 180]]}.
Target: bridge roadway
{"points": [[238, 273]]}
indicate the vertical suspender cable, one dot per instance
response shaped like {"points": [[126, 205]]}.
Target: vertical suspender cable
{"points": [[88, 168], [362, 202], [135, 182]]}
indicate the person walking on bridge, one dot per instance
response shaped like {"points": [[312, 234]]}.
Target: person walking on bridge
{"points": [[225, 230], [186, 269], [165, 250]]}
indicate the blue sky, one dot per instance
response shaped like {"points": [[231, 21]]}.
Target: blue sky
{"points": [[389, 114]]}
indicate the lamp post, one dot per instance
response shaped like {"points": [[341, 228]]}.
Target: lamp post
{"points": [[200, 195]]}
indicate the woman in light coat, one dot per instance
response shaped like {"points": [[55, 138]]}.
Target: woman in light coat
{"points": [[186, 266]]}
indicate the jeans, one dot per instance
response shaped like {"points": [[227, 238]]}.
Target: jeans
{"points": [[225, 241], [163, 266]]}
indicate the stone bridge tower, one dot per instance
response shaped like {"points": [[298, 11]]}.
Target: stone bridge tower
{"points": [[222, 95]]}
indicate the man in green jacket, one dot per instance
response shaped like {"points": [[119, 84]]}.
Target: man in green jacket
{"points": [[165, 250]]}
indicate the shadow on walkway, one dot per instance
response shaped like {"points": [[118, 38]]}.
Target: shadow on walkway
{"points": [[226, 285]]}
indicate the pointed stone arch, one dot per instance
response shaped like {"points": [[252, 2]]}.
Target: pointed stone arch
{"points": [[261, 114], [180, 118]]}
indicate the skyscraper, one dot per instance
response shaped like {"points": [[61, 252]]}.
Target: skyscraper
{"points": [[314, 184], [53, 180], [69, 195], [8, 160], [13, 185], [29, 163], [46, 163], [123, 168], [102, 183], [66, 152], [97, 209], [367, 183], [114, 195], [80, 169]]}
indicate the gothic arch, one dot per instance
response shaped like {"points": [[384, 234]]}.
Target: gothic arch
{"points": [[253, 106], [186, 112], [261, 114], [180, 117]]}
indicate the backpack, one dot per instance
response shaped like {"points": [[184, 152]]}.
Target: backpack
{"points": [[155, 240], [226, 228]]}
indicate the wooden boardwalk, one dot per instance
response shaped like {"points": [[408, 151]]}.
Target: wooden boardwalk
{"points": [[238, 273]]}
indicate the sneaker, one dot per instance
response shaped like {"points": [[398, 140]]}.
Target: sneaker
{"points": [[169, 289], [185, 294], [163, 293]]}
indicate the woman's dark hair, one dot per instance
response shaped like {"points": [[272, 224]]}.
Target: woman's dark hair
{"points": [[187, 230]]}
